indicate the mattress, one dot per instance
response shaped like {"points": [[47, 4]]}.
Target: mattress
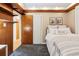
{"points": [[53, 42]]}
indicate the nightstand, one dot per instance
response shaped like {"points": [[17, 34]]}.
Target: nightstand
{"points": [[3, 50]]}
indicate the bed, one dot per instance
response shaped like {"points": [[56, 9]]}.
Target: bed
{"points": [[61, 42]]}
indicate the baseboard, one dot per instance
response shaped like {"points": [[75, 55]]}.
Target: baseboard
{"points": [[39, 43]]}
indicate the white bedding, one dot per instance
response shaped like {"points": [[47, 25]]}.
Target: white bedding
{"points": [[68, 48], [57, 43]]}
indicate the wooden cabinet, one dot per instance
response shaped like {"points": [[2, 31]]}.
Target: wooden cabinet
{"points": [[3, 50]]}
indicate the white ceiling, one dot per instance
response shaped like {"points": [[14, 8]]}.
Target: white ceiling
{"points": [[46, 6]]}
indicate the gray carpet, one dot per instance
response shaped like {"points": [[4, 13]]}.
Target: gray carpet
{"points": [[31, 50]]}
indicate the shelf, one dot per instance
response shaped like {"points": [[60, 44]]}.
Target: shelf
{"points": [[6, 21], [10, 22]]}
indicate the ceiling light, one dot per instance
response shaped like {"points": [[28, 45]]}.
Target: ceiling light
{"points": [[58, 8], [45, 8], [4, 24]]}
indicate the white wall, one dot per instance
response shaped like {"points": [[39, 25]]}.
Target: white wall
{"points": [[41, 20], [77, 20], [16, 42], [70, 20]]}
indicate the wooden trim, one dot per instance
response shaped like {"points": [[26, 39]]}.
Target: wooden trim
{"points": [[17, 8], [5, 11], [58, 11], [72, 7], [4, 8], [20, 10], [10, 22], [15, 15]]}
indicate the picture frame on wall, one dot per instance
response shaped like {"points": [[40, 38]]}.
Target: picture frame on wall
{"points": [[59, 20], [52, 20]]}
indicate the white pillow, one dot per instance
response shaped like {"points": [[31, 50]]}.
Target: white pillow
{"points": [[53, 31], [62, 26], [64, 31], [52, 26], [56, 26]]}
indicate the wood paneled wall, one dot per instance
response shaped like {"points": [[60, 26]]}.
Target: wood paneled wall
{"points": [[6, 33]]}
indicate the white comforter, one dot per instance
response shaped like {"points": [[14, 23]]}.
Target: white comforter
{"points": [[55, 43], [68, 48]]}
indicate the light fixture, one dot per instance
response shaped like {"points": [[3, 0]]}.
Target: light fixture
{"points": [[58, 8], [4, 24], [27, 28], [45, 8]]}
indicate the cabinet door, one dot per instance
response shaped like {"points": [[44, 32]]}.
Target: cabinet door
{"points": [[27, 29], [3, 52]]}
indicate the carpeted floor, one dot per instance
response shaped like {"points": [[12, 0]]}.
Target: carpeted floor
{"points": [[31, 50]]}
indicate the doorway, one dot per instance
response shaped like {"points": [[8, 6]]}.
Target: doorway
{"points": [[27, 29]]}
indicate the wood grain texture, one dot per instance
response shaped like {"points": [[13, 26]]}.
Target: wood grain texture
{"points": [[3, 52], [27, 36], [5, 6], [17, 8], [56, 11], [72, 7], [6, 9], [6, 33]]}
